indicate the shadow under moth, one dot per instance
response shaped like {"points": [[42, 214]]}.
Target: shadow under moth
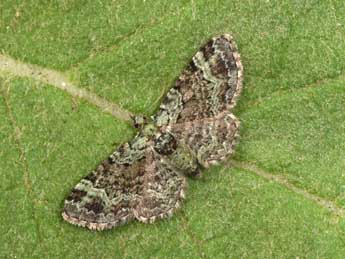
{"points": [[145, 179]]}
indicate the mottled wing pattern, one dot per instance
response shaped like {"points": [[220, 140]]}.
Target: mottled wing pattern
{"points": [[134, 182], [210, 139], [143, 179], [210, 84], [197, 109], [108, 195]]}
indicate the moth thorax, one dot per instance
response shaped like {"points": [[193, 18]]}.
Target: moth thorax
{"points": [[165, 144], [149, 130]]}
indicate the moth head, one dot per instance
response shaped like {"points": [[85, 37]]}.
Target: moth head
{"points": [[139, 121]]}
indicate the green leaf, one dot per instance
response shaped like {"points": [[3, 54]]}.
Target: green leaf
{"points": [[130, 53]]}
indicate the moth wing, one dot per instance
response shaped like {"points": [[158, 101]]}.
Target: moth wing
{"points": [[134, 182], [163, 191], [210, 84], [210, 139], [107, 197]]}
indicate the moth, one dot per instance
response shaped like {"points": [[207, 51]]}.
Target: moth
{"points": [[145, 179]]}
